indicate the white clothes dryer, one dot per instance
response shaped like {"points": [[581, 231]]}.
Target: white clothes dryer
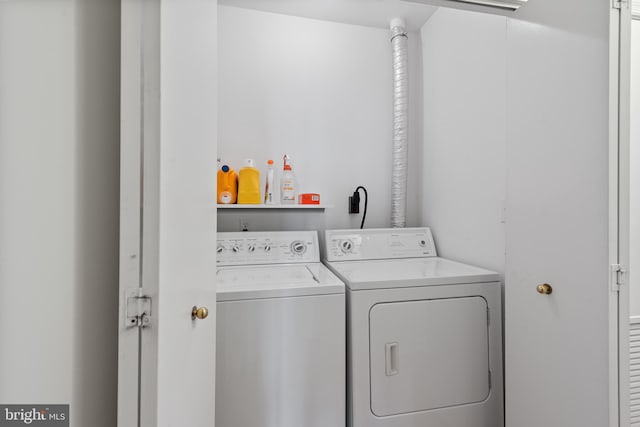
{"points": [[424, 334], [280, 333]]}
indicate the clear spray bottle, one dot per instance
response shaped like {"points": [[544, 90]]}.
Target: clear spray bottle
{"points": [[269, 187], [288, 184]]}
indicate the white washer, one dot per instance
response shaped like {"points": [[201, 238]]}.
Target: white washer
{"points": [[424, 334], [280, 333]]}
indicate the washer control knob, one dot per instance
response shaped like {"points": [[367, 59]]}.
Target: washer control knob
{"points": [[251, 248], [346, 246], [235, 248], [298, 247], [423, 243], [267, 247], [220, 249]]}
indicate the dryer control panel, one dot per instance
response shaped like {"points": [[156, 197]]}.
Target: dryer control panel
{"points": [[276, 247], [380, 243]]}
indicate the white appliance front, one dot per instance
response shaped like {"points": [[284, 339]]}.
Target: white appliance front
{"points": [[416, 344], [281, 333], [424, 343], [281, 362]]}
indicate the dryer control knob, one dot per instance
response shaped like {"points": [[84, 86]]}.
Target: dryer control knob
{"points": [[346, 246], [251, 248], [267, 247], [220, 249], [235, 248]]}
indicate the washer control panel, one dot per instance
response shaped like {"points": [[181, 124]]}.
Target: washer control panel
{"points": [[267, 247], [381, 243]]}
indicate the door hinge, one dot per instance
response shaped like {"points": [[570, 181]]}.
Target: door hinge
{"points": [[618, 4], [616, 277], [138, 311]]}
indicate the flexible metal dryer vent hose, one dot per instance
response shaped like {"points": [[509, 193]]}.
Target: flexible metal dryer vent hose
{"points": [[399, 43]]}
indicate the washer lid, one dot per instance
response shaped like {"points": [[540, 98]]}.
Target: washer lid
{"points": [[411, 272], [275, 281]]}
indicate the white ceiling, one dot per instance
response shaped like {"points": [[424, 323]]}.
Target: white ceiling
{"points": [[371, 13]]}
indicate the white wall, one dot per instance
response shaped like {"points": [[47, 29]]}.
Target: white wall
{"points": [[463, 173], [635, 169], [59, 144], [320, 92]]}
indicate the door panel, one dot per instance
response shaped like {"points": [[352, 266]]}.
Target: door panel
{"points": [[557, 347], [188, 132], [168, 237], [428, 354]]}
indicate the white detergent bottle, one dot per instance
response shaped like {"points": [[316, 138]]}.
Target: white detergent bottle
{"points": [[288, 184]]}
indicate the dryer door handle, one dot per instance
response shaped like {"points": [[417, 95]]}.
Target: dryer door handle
{"points": [[391, 358]]}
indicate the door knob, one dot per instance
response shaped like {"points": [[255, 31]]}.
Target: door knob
{"points": [[544, 289], [199, 312]]}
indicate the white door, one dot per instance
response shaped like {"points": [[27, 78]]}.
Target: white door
{"points": [[621, 214], [168, 213], [560, 347], [634, 246]]}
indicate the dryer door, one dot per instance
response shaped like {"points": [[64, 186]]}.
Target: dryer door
{"points": [[428, 354]]}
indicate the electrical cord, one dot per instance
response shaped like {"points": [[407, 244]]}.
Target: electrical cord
{"points": [[366, 199]]}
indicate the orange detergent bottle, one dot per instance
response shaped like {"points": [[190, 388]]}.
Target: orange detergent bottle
{"points": [[227, 185], [249, 184]]}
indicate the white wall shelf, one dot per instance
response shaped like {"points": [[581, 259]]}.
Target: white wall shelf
{"points": [[282, 207]]}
